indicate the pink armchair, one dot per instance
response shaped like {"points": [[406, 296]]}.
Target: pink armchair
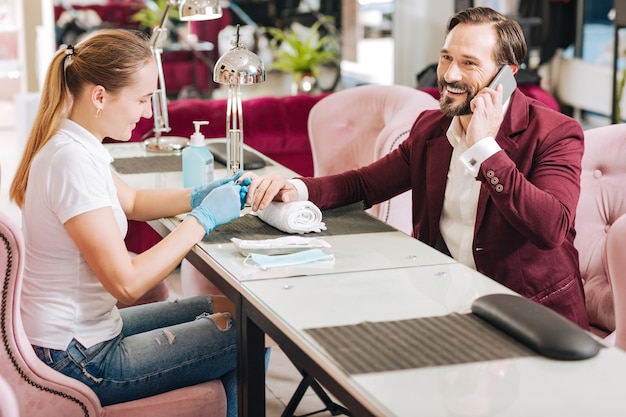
{"points": [[354, 127], [40, 390], [616, 268], [8, 405], [602, 202]]}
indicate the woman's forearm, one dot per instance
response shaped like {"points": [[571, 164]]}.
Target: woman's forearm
{"points": [[156, 203]]}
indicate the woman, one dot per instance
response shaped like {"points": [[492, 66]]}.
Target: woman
{"points": [[75, 212]]}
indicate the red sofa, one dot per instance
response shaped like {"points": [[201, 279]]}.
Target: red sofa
{"points": [[275, 126]]}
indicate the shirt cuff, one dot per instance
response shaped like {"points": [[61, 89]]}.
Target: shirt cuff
{"points": [[303, 191], [478, 153]]}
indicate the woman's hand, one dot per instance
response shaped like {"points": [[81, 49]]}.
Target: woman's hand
{"points": [[199, 192]]}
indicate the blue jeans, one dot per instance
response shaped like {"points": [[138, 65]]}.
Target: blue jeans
{"points": [[162, 346]]}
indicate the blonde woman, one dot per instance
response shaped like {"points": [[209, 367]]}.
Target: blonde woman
{"points": [[75, 212]]}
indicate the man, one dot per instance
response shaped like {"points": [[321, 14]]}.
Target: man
{"points": [[494, 184]]}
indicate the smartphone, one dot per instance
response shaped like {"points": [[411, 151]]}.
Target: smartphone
{"points": [[507, 79]]}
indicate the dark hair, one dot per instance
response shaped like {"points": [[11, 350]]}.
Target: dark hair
{"points": [[109, 57], [511, 44]]}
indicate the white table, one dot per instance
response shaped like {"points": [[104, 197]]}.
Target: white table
{"points": [[386, 276], [529, 386]]}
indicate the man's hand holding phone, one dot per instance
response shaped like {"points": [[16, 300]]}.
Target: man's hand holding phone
{"points": [[487, 106]]}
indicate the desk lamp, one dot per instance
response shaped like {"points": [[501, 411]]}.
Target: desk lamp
{"points": [[237, 67], [190, 10]]}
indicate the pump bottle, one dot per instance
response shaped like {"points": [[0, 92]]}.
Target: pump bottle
{"points": [[198, 164]]}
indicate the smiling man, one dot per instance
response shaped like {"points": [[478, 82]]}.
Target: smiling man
{"points": [[495, 183]]}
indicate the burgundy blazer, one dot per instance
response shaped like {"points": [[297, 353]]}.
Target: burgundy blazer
{"points": [[524, 236]]}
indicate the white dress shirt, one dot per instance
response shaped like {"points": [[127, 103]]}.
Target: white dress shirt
{"points": [[458, 218]]}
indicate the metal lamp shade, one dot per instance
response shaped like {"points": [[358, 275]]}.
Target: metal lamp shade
{"points": [[235, 68], [200, 10], [239, 66]]}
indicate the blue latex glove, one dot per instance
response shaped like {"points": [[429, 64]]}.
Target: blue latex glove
{"points": [[199, 192], [244, 191], [220, 206]]}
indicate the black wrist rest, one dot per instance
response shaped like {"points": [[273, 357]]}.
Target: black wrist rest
{"points": [[536, 326]]}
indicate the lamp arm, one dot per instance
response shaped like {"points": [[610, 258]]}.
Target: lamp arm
{"points": [[245, 17], [159, 97]]}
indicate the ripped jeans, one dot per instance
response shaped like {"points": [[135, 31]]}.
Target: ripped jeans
{"points": [[162, 346]]}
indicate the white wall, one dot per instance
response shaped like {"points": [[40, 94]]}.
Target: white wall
{"points": [[418, 32], [39, 38]]}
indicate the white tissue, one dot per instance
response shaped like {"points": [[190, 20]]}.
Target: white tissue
{"points": [[296, 217], [281, 245]]}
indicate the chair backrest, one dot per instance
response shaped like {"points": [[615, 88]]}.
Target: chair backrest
{"points": [[602, 202], [38, 388], [616, 268], [357, 126]]}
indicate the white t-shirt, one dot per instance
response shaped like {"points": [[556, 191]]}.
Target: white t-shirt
{"points": [[61, 297]]}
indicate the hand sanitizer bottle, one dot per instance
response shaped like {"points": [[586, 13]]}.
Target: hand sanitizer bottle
{"points": [[197, 160]]}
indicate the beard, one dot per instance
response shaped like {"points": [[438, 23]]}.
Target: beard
{"points": [[446, 104]]}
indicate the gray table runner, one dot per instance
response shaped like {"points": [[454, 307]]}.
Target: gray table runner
{"points": [[156, 163], [144, 165], [150, 164], [349, 219], [415, 343]]}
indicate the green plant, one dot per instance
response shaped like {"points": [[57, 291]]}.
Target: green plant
{"points": [[150, 16], [301, 53]]}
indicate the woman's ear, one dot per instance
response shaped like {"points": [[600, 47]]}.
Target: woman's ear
{"points": [[97, 96]]}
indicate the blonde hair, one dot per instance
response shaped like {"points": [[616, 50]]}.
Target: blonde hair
{"points": [[109, 57]]}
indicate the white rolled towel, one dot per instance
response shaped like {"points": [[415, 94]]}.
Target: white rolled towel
{"points": [[295, 217]]}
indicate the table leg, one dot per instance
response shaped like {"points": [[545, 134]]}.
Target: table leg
{"points": [[250, 365]]}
